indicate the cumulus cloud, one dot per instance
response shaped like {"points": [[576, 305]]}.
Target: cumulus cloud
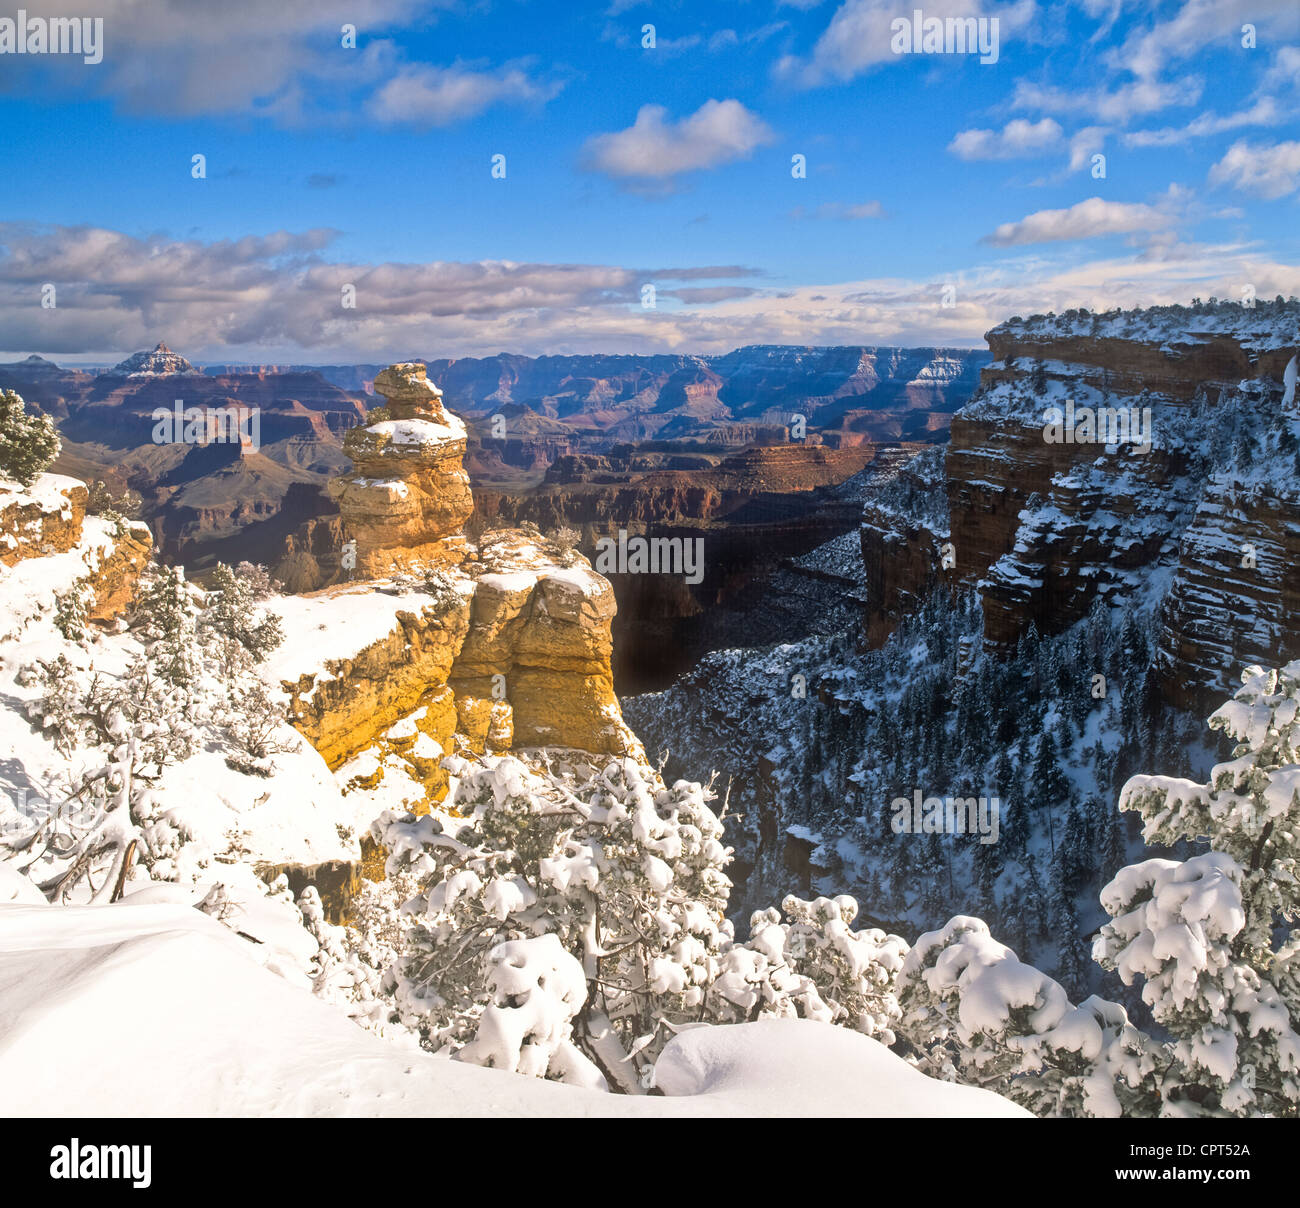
{"points": [[425, 95], [858, 37], [276, 297], [656, 148], [1268, 170], [1017, 139], [1085, 220]]}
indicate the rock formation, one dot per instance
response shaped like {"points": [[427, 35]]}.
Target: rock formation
{"points": [[1206, 522], [49, 518], [408, 496], [439, 645], [161, 362]]}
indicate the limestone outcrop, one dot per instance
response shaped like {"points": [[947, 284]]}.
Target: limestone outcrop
{"points": [[438, 645], [408, 495], [44, 519], [49, 518]]}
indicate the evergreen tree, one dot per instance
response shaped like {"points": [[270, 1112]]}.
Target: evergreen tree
{"points": [[29, 443], [1214, 935]]}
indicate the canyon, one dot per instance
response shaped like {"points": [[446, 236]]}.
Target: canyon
{"points": [[1033, 613], [1044, 531], [693, 447]]}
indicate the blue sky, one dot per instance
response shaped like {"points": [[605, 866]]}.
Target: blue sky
{"points": [[629, 165]]}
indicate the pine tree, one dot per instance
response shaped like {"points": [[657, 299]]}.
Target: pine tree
{"points": [[1213, 935], [625, 871], [28, 443], [232, 612], [1049, 786]]}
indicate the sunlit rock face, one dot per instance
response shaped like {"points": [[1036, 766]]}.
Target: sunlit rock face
{"points": [[1199, 521], [408, 495], [49, 518], [436, 644]]}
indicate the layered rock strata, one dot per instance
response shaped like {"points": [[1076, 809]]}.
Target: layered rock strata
{"points": [[1201, 526], [440, 644], [49, 518], [408, 496]]}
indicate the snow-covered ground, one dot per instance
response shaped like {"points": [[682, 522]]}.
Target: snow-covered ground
{"points": [[157, 1010]]}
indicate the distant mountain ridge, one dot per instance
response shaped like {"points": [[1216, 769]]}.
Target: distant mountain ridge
{"points": [[879, 391]]}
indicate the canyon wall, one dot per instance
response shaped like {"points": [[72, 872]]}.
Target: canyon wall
{"points": [[1201, 526]]}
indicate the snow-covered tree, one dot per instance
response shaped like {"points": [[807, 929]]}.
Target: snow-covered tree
{"points": [[29, 443], [192, 682], [812, 967], [165, 611], [109, 817], [625, 871], [536, 989], [258, 580], [972, 1011], [70, 609], [1213, 935], [232, 612], [102, 501]]}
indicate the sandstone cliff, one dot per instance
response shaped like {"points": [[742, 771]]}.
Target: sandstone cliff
{"points": [[408, 493], [48, 520], [1200, 527], [437, 644]]}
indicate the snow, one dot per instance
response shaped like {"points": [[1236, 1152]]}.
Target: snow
{"points": [[419, 431], [509, 582], [49, 493], [321, 631], [170, 989], [16, 889], [1258, 328], [587, 583], [28, 589]]}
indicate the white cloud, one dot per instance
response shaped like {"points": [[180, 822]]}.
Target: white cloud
{"points": [[1084, 144], [1120, 105], [1017, 139], [283, 61], [1285, 72], [1085, 220], [1269, 171], [1264, 112], [438, 96], [179, 58], [858, 37], [654, 148], [276, 298], [1201, 23]]}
